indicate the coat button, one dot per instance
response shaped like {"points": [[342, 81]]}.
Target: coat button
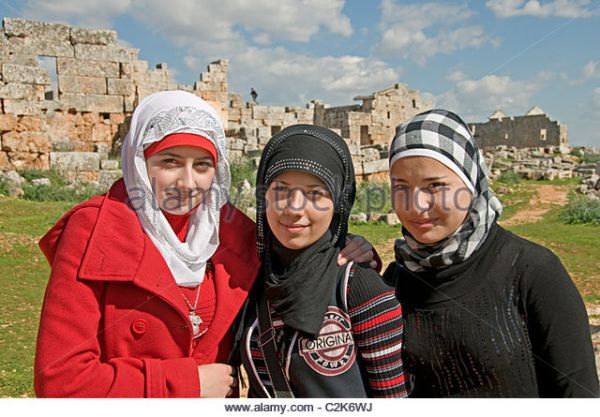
{"points": [[139, 326]]}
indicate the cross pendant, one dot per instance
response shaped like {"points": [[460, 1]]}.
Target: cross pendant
{"points": [[196, 321]]}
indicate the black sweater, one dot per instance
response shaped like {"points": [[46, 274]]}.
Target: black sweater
{"points": [[507, 322]]}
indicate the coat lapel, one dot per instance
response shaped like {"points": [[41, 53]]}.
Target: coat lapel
{"points": [[119, 250]]}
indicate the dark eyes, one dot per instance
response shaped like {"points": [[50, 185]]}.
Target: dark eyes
{"points": [[172, 162], [433, 187], [313, 194], [437, 185]]}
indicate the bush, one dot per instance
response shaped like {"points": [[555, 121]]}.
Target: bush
{"points": [[67, 193], [591, 158], [244, 169], [509, 177], [58, 190], [372, 197], [585, 157], [576, 152], [582, 210]]}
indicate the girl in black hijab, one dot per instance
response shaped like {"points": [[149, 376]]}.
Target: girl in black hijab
{"points": [[316, 329]]}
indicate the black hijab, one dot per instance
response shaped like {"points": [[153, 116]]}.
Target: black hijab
{"points": [[299, 283]]}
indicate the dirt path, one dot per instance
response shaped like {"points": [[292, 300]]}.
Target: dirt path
{"points": [[546, 196]]}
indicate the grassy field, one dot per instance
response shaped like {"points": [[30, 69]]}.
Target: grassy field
{"points": [[24, 271]]}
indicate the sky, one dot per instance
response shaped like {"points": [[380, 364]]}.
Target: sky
{"points": [[472, 57]]}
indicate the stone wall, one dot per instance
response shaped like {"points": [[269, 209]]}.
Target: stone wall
{"points": [[67, 94], [533, 163], [375, 120], [529, 131], [76, 107], [250, 126]]}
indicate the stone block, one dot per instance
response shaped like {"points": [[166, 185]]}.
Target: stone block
{"points": [[370, 154], [29, 124], [4, 162], [19, 49], [7, 122], [120, 87], [290, 119], [21, 107], [71, 66], [81, 85], [276, 111], [236, 145], [15, 73], [102, 132], [112, 53], [260, 112], [109, 164], [92, 103], [33, 29], [391, 219], [137, 66], [129, 104], [75, 161], [374, 216], [108, 177], [93, 36], [358, 218], [358, 169], [565, 174], [45, 182], [34, 142], [375, 166]]}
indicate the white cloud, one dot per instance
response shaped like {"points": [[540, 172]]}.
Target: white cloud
{"points": [[89, 13], [477, 99], [420, 31], [243, 32], [282, 77], [189, 21], [557, 8], [214, 20], [591, 70]]}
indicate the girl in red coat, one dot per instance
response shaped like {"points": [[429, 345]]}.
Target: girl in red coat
{"points": [[147, 279]]}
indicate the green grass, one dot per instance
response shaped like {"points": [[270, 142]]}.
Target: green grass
{"points": [[577, 245], [516, 200], [24, 273], [24, 270], [376, 233]]}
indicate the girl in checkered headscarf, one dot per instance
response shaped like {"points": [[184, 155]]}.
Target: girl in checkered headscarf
{"points": [[442, 137], [487, 313]]}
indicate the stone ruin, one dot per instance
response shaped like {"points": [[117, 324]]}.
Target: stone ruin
{"points": [[532, 130], [590, 186], [74, 119], [533, 163], [67, 94]]}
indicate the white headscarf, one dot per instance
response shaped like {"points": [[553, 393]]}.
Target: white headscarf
{"points": [[157, 116]]}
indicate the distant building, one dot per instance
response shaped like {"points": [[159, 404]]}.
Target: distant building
{"points": [[534, 129], [375, 120]]}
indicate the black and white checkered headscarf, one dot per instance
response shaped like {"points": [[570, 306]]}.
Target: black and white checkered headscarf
{"points": [[442, 135]]}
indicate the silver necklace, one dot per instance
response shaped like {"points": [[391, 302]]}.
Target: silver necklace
{"points": [[195, 319]]}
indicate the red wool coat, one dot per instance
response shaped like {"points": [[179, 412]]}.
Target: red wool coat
{"points": [[113, 322]]}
